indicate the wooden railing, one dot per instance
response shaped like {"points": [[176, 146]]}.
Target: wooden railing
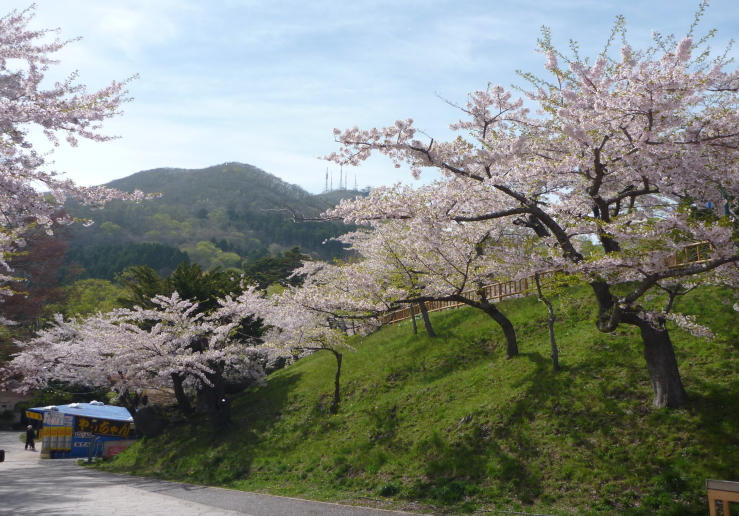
{"points": [[494, 292], [690, 254]]}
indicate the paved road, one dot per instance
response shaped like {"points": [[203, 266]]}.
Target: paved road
{"points": [[32, 487]]}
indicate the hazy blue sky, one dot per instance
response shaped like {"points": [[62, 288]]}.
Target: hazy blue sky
{"points": [[265, 82]]}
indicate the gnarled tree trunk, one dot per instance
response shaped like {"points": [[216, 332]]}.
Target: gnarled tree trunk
{"points": [[481, 304], [662, 365], [658, 351], [334, 408]]}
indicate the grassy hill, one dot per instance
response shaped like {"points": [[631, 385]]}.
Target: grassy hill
{"points": [[448, 425], [220, 216]]}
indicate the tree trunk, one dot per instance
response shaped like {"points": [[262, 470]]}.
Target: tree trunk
{"points": [[337, 384], [334, 408], [553, 342], [426, 320], [550, 323], [179, 393], [413, 318], [505, 324], [219, 409], [662, 365], [129, 404], [658, 351]]}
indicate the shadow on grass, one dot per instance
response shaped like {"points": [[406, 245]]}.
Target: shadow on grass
{"points": [[195, 454]]}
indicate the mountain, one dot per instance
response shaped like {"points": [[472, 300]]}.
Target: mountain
{"points": [[226, 215]]}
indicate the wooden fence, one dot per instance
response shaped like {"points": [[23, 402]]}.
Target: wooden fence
{"points": [[494, 292], [690, 254]]}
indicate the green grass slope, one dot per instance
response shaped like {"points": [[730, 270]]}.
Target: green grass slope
{"points": [[449, 424]]}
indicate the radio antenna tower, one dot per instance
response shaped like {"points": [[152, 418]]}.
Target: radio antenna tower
{"points": [[341, 175], [326, 187], [355, 182], [332, 181]]}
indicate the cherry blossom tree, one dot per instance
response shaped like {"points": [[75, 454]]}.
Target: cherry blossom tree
{"points": [[302, 323], [432, 258], [350, 297], [172, 346], [313, 317], [31, 192], [617, 150]]}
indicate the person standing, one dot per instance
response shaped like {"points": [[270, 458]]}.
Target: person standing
{"points": [[29, 438]]}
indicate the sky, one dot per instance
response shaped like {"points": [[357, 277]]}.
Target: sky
{"points": [[266, 82]]}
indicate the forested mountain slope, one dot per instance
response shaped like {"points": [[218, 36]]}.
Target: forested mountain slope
{"points": [[224, 215]]}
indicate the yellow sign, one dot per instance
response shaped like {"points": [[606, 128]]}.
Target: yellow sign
{"points": [[54, 437], [103, 427], [33, 415]]}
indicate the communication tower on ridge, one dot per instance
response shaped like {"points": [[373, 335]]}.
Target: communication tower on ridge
{"points": [[343, 181]]}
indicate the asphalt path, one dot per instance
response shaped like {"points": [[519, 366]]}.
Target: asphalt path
{"points": [[59, 487]]}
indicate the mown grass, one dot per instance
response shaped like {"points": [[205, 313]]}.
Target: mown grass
{"points": [[451, 424]]}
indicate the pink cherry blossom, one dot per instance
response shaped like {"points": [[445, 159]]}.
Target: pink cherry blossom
{"points": [[617, 153], [65, 110]]}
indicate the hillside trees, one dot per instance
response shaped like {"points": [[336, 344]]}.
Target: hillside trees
{"points": [[107, 261], [229, 206], [143, 290], [269, 269], [223, 335], [88, 296], [142, 284], [37, 276], [615, 148], [66, 109]]}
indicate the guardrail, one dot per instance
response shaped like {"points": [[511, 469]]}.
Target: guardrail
{"points": [[689, 255]]}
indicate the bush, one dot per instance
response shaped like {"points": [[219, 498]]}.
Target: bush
{"points": [[389, 489]]}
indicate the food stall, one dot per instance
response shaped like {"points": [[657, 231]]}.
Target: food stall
{"points": [[69, 430]]}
